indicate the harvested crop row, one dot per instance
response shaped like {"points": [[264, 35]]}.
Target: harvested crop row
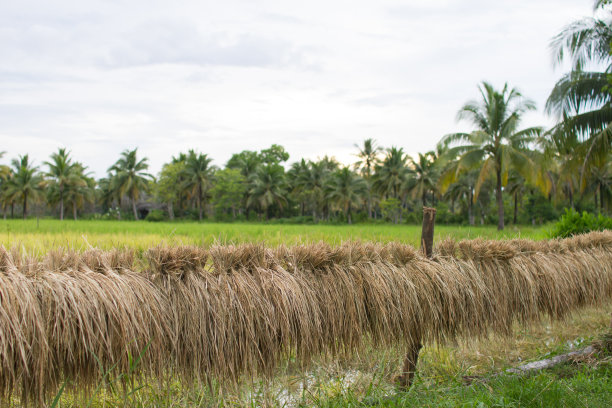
{"points": [[235, 311]]}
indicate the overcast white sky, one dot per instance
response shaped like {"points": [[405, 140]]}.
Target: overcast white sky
{"points": [[315, 76]]}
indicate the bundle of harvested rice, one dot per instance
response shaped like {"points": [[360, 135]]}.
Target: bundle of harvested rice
{"points": [[233, 311]]}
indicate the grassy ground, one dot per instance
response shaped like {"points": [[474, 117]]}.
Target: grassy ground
{"points": [[44, 234]]}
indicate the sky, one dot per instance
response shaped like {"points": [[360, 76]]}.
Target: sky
{"points": [[316, 77]]}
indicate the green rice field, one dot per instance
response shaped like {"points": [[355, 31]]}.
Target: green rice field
{"points": [[41, 235]]}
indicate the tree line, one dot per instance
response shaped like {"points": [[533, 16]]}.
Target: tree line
{"points": [[495, 172]]}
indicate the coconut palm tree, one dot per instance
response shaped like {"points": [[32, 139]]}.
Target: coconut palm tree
{"points": [[61, 173], [267, 187], [496, 143], [516, 187], [80, 189], [129, 177], [368, 158], [581, 99], [313, 180], [5, 176], [198, 175], [463, 189], [561, 161], [423, 177], [600, 182], [391, 173], [297, 189], [26, 182], [346, 188]]}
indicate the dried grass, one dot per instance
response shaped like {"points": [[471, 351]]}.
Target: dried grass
{"points": [[230, 312]]}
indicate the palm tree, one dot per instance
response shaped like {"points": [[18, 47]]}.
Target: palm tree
{"points": [[313, 180], [517, 186], [463, 188], [298, 189], [62, 172], [600, 182], [391, 174], [496, 143], [267, 187], [106, 195], [561, 161], [26, 182], [346, 188], [423, 177], [129, 177], [368, 158], [5, 176], [198, 177], [581, 99], [80, 189]]}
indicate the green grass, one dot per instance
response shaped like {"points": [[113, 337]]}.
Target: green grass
{"points": [[578, 386], [46, 233]]}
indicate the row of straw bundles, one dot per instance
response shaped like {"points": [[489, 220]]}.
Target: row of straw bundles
{"points": [[234, 311]]}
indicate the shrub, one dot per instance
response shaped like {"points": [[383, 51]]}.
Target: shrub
{"points": [[572, 223], [156, 216]]}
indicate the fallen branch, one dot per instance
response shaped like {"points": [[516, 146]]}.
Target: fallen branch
{"points": [[551, 362]]}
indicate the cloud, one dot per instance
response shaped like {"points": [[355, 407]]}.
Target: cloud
{"points": [[102, 76], [179, 42]]}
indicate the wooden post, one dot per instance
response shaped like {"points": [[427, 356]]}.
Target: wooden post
{"points": [[412, 355], [427, 233]]}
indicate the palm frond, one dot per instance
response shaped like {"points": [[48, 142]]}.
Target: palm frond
{"points": [[578, 91], [583, 41], [488, 169]]}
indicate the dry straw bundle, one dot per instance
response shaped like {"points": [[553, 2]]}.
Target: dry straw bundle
{"points": [[234, 311]]}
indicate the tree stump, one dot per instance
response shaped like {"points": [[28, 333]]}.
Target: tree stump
{"points": [[412, 354]]}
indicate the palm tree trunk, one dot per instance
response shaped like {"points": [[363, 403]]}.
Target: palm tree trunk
{"points": [[500, 201], [471, 207], [515, 207], [200, 202], [348, 214], [171, 210], [12, 209], [25, 205], [134, 209], [74, 211], [571, 198], [601, 198], [61, 202]]}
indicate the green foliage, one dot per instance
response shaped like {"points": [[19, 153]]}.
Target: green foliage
{"points": [[168, 186], [391, 209], [156, 216], [572, 223], [228, 191], [539, 209], [275, 154], [445, 216]]}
